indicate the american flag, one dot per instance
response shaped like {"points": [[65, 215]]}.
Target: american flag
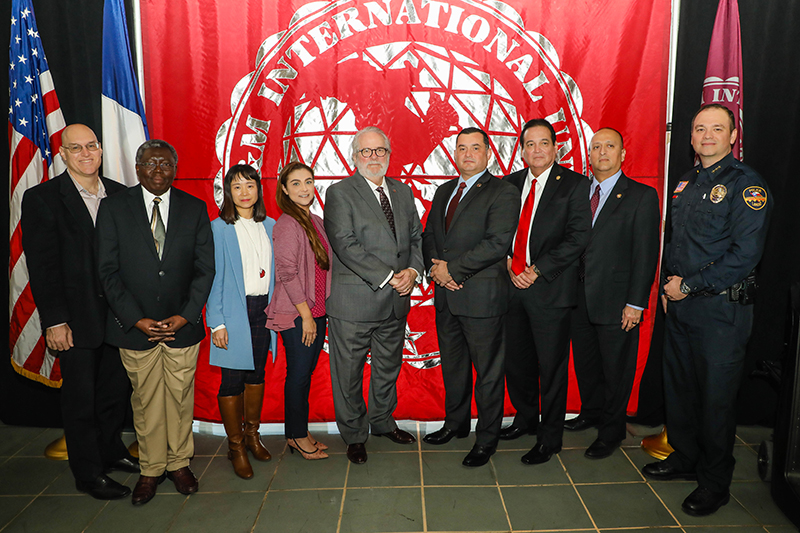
{"points": [[34, 136]]}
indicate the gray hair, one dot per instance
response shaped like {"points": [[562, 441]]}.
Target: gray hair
{"points": [[355, 147], [155, 143]]}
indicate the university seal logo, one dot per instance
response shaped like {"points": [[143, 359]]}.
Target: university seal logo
{"points": [[421, 70]]}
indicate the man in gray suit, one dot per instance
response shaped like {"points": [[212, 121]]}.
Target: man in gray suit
{"points": [[376, 236]]}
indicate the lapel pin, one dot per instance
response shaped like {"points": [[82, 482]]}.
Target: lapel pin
{"points": [[558, 178], [619, 195], [478, 184]]}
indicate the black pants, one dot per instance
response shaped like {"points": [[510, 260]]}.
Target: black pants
{"points": [[233, 380], [703, 362], [94, 399], [301, 360]]}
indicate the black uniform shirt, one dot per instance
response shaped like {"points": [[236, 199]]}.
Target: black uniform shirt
{"points": [[719, 224]]}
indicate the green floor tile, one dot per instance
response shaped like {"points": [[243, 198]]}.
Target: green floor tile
{"points": [[10, 506], [753, 435], [386, 470], [746, 468], [209, 444], [36, 446], [556, 507], [15, 438], [294, 472], [218, 512], [302, 511], [383, 444], [756, 499], [382, 510], [220, 477], [445, 468], [624, 505], [673, 494], [121, 516], [56, 514], [30, 475], [511, 471], [464, 509], [616, 468]]}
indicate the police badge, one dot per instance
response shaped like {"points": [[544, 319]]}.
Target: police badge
{"points": [[718, 193]]}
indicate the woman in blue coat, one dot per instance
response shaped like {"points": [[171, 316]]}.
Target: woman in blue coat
{"points": [[243, 286]]}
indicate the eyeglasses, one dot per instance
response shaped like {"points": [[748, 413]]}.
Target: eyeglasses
{"points": [[78, 148], [165, 166], [367, 152]]}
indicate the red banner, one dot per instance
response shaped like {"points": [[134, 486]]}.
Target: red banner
{"points": [[266, 82]]}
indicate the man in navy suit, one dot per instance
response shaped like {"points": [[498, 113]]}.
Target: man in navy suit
{"points": [[614, 279], [552, 233], [156, 262], [58, 218]]}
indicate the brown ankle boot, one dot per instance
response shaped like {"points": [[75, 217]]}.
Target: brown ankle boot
{"points": [[231, 408], [253, 400]]}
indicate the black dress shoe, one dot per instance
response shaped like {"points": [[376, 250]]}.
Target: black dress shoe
{"points": [[703, 502], [445, 435], [103, 488], [478, 456], [513, 432], [662, 471], [539, 454], [579, 424], [600, 449], [126, 464], [399, 436], [357, 453]]}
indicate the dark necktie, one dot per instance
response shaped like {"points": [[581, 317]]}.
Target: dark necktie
{"points": [[157, 227], [594, 202], [520, 258], [451, 209], [387, 209]]}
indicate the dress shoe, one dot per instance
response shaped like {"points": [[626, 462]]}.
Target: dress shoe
{"points": [[539, 454], [126, 464], [445, 435], [579, 424], [145, 488], [513, 432], [662, 471], [478, 456], [399, 436], [703, 502], [357, 453], [600, 449], [184, 479], [103, 488]]}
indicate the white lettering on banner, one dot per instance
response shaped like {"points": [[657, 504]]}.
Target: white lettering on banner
{"points": [[729, 95], [257, 139]]}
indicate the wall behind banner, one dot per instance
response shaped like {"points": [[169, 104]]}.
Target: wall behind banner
{"points": [[71, 32]]}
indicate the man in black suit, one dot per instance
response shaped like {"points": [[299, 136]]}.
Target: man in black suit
{"points": [[156, 262], [614, 279], [552, 233], [58, 219], [465, 242]]}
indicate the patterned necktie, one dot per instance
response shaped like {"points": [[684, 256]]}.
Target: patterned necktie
{"points": [[157, 227], [594, 202], [520, 258], [451, 209], [387, 209]]}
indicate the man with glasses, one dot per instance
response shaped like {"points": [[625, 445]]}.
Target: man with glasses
{"points": [[58, 218], [376, 235], [156, 263]]}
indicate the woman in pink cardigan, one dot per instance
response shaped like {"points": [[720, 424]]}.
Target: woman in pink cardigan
{"points": [[297, 309]]}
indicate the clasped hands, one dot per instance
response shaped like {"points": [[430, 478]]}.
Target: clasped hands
{"points": [[161, 330], [525, 279], [442, 277], [404, 281]]}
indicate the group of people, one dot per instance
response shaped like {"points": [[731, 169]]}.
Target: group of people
{"points": [[522, 266]]}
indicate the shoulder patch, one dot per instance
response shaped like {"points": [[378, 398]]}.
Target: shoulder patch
{"points": [[681, 185], [755, 197]]}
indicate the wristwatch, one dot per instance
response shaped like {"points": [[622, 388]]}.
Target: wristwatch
{"points": [[536, 270], [685, 289]]}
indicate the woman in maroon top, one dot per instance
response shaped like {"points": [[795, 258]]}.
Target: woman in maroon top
{"points": [[297, 309]]}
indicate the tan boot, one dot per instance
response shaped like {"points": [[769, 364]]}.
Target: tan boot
{"points": [[253, 400], [231, 408]]}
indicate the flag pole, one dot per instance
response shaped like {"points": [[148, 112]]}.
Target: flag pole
{"points": [[137, 44]]}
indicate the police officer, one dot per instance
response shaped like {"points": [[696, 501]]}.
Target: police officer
{"points": [[720, 212]]}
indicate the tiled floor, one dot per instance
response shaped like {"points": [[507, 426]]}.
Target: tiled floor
{"points": [[400, 488]]}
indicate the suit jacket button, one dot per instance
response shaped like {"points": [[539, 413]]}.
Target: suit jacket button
{"points": [[158, 298], [398, 255], [445, 250], [161, 273]]}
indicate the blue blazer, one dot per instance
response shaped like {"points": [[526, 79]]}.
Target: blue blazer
{"points": [[227, 303]]}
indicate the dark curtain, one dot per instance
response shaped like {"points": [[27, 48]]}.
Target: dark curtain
{"points": [[72, 36], [770, 41]]}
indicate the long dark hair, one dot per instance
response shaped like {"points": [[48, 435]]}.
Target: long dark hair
{"points": [[299, 214], [228, 211]]}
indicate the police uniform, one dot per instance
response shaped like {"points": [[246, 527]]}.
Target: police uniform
{"points": [[719, 224]]}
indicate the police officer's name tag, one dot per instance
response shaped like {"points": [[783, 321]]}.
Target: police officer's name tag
{"points": [[718, 193], [755, 197]]}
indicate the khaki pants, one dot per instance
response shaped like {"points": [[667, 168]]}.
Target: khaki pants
{"points": [[163, 405]]}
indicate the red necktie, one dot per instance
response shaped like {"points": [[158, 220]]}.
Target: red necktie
{"points": [[520, 257], [451, 209]]}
